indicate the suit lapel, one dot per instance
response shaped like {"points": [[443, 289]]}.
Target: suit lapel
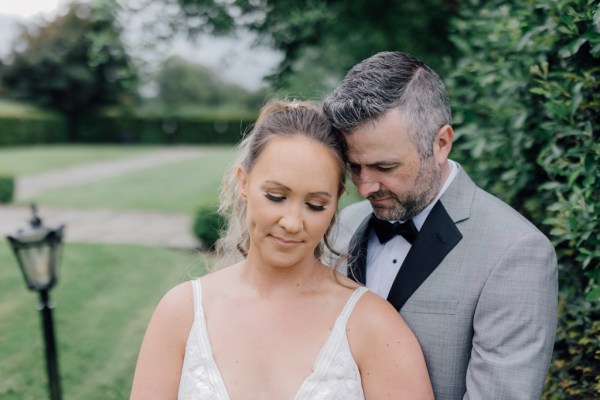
{"points": [[357, 263], [438, 236], [436, 239]]}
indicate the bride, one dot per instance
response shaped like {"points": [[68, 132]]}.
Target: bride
{"points": [[279, 324]]}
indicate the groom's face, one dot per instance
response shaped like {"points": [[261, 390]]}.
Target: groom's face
{"points": [[388, 169]]}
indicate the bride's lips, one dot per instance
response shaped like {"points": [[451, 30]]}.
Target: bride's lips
{"points": [[287, 243]]}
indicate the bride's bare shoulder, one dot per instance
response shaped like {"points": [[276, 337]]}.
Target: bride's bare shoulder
{"points": [[177, 303], [387, 352], [375, 314]]}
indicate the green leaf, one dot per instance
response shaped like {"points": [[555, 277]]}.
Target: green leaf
{"points": [[593, 274], [593, 295], [539, 90], [572, 48]]}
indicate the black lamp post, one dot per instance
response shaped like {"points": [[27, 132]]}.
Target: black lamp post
{"points": [[38, 249]]}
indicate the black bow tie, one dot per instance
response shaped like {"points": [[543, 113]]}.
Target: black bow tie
{"points": [[385, 231]]}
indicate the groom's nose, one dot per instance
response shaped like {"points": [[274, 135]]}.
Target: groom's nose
{"points": [[366, 187]]}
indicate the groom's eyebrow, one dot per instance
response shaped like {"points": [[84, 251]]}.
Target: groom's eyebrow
{"points": [[376, 163]]}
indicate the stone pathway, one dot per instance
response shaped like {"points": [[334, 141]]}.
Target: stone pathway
{"points": [[104, 226], [31, 185], [107, 226]]}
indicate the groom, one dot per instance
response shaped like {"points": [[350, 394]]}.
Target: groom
{"points": [[475, 281]]}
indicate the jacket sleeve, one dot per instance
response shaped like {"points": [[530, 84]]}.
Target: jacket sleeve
{"points": [[514, 324]]}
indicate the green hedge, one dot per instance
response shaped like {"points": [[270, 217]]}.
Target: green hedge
{"points": [[575, 369], [164, 129], [7, 188], [32, 129], [24, 128], [526, 95], [208, 225]]}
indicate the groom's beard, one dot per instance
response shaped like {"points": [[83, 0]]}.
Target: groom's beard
{"points": [[412, 202]]}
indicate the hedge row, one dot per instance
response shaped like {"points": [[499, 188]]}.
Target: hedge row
{"points": [[526, 95], [147, 129], [32, 129], [164, 129]]}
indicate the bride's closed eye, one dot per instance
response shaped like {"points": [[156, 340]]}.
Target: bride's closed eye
{"points": [[278, 199], [274, 198], [316, 207]]}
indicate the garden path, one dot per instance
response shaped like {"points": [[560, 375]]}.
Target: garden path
{"points": [[31, 185], [104, 226]]}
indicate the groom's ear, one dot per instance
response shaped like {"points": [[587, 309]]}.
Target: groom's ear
{"points": [[443, 144]]}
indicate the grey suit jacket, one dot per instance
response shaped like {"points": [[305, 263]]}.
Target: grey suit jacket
{"points": [[479, 290]]}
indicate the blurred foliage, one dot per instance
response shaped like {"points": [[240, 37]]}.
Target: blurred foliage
{"points": [[115, 126], [187, 125], [22, 124], [322, 37], [184, 83], [527, 104], [74, 63], [526, 94], [31, 129], [15, 108], [25, 123], [7, 188], [575, 369], [208, 225], [163, 128]]}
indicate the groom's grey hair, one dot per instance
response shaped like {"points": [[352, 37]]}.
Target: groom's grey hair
{"points": [[386, 81]]}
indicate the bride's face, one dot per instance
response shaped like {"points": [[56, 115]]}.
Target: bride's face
{"points": [[291, 195]]}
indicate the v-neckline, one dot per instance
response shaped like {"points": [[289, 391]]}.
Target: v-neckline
{"points": [[205, 342]]}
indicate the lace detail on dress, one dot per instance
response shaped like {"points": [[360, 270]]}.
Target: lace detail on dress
{"points": [[335, 374]]}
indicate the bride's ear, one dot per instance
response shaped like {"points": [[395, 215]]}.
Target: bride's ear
{"points": [[242, 178]]}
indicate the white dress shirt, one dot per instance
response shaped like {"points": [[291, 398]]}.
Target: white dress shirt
{"points": [[384, 260]]}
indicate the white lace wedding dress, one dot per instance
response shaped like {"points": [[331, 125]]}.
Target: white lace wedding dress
{"points": [[335, 375]]}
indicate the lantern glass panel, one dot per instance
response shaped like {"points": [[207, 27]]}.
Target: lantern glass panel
{"points": [[37, 264]]}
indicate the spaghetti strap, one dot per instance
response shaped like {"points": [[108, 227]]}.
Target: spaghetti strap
{"points": [[197, 297], [345, 314]]}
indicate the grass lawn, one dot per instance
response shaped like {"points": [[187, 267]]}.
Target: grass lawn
{"points": [[176, 187], [104, 300], [23, 160]]}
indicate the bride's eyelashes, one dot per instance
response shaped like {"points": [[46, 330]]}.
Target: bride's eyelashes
{"points": [[279, 199]]}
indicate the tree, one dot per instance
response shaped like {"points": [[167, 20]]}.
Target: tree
{"points": [[340, 32], [181, 82], [74, 64], [184, 83]]}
